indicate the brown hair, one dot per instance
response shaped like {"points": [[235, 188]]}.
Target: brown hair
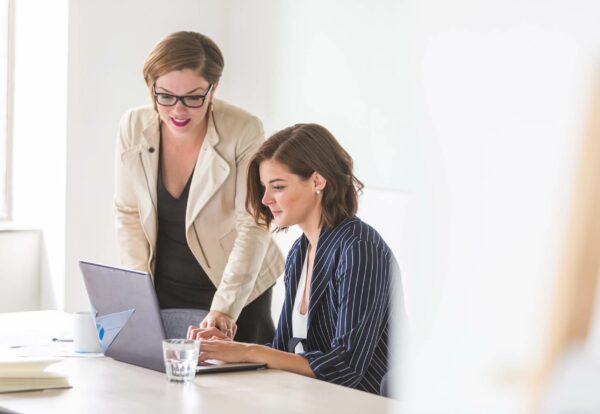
{"points": [[184, 50], [305, 149]]}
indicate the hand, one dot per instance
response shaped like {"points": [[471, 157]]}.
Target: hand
{"points": [[228, 351], [196, 333], [221, 321]]}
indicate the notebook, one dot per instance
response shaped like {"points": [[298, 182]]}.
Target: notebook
{"points": [[21, 374]]}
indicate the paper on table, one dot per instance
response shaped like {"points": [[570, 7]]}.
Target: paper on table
{"points": [[43, 349]]}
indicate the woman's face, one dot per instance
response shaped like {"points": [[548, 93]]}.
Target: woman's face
{"points": [[179, 119], [291, 199]]}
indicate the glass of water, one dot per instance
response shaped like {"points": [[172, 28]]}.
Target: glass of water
{"points": [[181, 359]]}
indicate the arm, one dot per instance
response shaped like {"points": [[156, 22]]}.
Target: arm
{"points": [[363, 278], [132, 244], [215, 345], [240, 352], [251, 243]]}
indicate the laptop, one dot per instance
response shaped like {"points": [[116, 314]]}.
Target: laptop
{"points": [[130, 322]]}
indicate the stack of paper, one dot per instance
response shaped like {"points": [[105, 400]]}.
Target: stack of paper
{"points": [[29, 375]]}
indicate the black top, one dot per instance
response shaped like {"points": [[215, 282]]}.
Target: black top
{"points": [[180, 281]]}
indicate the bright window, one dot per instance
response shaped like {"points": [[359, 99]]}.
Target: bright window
{"points": [[6, 30]]}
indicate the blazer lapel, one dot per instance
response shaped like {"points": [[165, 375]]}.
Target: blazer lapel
{"points": [[293, 273], [296, 267], [320, 275], [210, 173], [142, 163], [150, 157]]}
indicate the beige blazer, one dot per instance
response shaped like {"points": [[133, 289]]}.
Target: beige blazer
{"points": [[241, 259]]}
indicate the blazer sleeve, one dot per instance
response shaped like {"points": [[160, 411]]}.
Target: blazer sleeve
{"points": [[363, 279], [250, 246], [133, 246]]}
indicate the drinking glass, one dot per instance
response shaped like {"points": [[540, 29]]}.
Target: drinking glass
{"points": [[181, 359]]}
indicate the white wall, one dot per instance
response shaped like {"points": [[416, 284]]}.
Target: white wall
{"points": [[20, 267], [25, 273], [320, 61]]}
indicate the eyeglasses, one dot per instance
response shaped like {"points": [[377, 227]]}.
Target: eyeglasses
{"points": [[191, 101]]}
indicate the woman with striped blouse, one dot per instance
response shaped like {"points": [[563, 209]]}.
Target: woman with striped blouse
{"points": [[338, 277]]}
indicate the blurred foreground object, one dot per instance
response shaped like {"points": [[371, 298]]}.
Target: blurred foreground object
{"points": [[561, 367]]}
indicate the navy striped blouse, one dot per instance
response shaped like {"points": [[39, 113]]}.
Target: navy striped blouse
{"points": [[349, 305]]}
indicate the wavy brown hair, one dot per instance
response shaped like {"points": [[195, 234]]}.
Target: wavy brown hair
{"points": [[305, 149], [184, 50]]}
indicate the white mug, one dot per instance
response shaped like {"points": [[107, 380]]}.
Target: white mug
{"points": [[85, 335]]}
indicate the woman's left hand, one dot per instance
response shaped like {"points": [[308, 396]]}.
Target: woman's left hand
{"points": [[227, 351], [221, 321]]}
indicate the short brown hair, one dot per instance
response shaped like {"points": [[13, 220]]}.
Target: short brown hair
{"points": [[305, 149], [184, 50]]}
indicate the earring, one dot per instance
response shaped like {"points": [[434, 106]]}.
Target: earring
{"points": [[318, 192]]}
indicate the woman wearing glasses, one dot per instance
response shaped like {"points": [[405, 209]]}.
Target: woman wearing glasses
{"points": [[339, 274], [181, 168]]}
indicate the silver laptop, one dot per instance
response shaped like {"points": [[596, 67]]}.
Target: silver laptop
{"points": [[125, 303]]}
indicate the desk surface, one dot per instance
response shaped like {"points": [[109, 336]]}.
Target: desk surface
{"points": [[105, 385]]}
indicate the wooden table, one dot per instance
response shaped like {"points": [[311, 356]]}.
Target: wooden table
{"points": [[104, 385]]}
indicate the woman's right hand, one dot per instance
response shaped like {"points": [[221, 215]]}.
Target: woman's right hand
{"points": [[220, 320], [195, 333]]}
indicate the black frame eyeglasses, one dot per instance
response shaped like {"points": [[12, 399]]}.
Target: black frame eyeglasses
{"points": [[191, 101]]}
